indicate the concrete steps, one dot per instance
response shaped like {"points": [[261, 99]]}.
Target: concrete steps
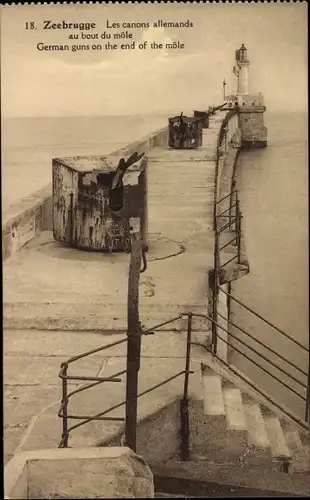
{"points": [[236, 418], [263, 437], [95, 316]]}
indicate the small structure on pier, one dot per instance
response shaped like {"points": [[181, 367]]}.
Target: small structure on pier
{"points": [[94, 197], [203, 116], [185, 132]]}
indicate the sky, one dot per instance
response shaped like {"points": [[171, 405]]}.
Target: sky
{"points": [[147, 81]]}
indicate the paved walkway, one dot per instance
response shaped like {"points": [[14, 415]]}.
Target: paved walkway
{"points": [[49, 289]]}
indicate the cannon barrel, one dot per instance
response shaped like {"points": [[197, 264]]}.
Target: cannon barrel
{"points": [[185, 132]]}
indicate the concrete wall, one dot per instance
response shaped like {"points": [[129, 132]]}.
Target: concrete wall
{"points": [[223, 309], [228, 150], [252, 125], [158, 431], [78, 473], [34, 213], [31, 216], [157, 138]]}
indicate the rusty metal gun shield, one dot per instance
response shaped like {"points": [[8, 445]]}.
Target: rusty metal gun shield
{"points": [[87, 213]]}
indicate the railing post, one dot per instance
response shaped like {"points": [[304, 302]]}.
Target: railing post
{"points": [[228, 301], [188, 354], [184, 452], [214, 312], [307, 413], [230, 206], [236, 204], [216, 256], [215, 273], [238, 229], [133, 343], [64, 401], [214, 215]]}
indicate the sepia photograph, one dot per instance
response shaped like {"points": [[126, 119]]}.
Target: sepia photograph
{"points": [[155, 255]]}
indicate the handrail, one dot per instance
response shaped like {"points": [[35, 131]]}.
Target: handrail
{"points": [[228, 243], [273, 363], [224, 125], [264, 369], [184, 407], [219, 141], [108, 410], [94, 351], [256, 352], [228, 224], [228, 261], [86, 421], [225, 197], [175, 318], [262, 344], [227, 209], [234, 220], [84, 387], [265, 320], [253, 386], [63, 411], [308, 392]]}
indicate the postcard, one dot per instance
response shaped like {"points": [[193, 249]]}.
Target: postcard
{"points": [[155, 248]]}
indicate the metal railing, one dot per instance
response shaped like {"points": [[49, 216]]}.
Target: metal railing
{"points": [[254, 386], [292, 342], [224, 124], [63, 374], [116, 377], [278, 363], [184, 409], [227, 219], [227, 226]]}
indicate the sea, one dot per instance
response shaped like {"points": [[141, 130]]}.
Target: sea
{"points": [[29, 144], [273, 191]]}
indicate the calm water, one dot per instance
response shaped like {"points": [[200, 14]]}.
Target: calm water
{"points": [[29, 144], [273, 190]]}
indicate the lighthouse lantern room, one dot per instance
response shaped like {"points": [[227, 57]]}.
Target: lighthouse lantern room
{"points": [[242, 64]]}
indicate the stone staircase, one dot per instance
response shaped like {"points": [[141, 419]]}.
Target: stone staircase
{"points": [[95, 315], [230, 425]]}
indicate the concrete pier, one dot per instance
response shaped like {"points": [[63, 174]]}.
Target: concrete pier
{"points": [[50, 286], [59, 302]]}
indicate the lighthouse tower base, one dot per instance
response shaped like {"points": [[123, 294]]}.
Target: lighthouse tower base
{"points": [[251, 121]]}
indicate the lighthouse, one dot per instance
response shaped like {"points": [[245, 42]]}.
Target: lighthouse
{"points": [[242, 70], [250, 106]]}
